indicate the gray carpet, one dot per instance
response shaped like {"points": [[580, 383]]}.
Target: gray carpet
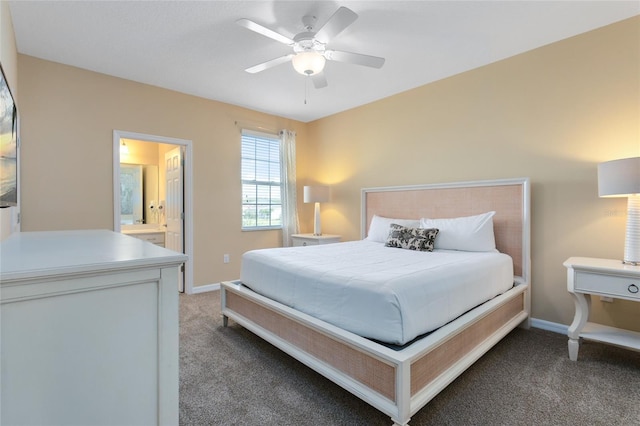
{"points": [[229, 376]]}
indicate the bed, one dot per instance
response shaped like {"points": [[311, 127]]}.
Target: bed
{"points": [[400, 380]]}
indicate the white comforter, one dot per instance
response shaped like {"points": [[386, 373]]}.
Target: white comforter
{"points": [[387, 294]]}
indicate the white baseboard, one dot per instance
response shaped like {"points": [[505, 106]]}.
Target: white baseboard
{"points": [[205, 288], [549, 326]]}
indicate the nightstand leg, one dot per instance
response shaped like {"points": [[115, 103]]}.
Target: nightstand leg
{"points": [[574, 345], [583, 303]]}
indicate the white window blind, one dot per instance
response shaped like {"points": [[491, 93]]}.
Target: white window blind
{"points": [[261, 183]]}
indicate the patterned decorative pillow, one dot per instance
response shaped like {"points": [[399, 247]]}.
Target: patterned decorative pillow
{"points": [[421, 239]]}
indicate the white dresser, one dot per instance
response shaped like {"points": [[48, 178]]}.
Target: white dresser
{"points": [[89, 329]]}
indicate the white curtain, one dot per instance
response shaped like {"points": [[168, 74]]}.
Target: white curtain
{"points": [[290, 224]]}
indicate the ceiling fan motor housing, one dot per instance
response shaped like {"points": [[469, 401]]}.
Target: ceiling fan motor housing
{"points": [[305, 42]]}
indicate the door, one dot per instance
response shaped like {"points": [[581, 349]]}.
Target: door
{"points": [[174, 208]]}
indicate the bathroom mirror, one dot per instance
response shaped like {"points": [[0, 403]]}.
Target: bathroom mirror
{"points": [[138, 194]]}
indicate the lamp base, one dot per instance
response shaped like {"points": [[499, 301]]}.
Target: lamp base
{"points": [[317, 229], [632, 236]]}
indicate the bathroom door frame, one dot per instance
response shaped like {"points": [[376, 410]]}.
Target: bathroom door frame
{"points": [[187, 193]]}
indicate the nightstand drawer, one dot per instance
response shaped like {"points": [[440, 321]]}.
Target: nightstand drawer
{"points": [[608, 285], [303, 242]]}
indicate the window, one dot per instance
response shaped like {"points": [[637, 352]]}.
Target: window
{"points": [[261, 184]]}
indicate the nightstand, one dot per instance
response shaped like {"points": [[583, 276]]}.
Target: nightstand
{"points": [[300, 240], [600, 277]]}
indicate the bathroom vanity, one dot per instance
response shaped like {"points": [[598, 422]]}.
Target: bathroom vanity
{"points": [[151, 235]]}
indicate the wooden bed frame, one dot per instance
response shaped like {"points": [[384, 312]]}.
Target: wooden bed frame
{"points": [[401, 382]]}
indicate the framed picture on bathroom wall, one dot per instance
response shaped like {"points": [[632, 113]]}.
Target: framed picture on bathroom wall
{"points": [[9, 141]]}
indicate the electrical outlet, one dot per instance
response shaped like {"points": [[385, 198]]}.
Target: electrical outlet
{"points": [[606, 299], [225, 258]]}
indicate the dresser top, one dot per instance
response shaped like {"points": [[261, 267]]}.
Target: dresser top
{"points": [[26, 255]]}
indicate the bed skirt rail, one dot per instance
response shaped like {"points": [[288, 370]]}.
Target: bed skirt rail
{"points": [[396, 382]]}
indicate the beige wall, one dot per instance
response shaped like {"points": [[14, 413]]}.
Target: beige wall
{"points": [[9, 60], [141, 152], [550, 114], [69, 116]]}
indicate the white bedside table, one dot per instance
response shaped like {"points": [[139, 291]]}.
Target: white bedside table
{"points": [[314, 240], [602, 277]]}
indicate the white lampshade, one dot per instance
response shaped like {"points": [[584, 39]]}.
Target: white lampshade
{"points": [[308, 63], [316, 194], [621, 178]]}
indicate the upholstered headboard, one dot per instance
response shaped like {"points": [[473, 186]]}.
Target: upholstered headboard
{"points": [[509, 198]]}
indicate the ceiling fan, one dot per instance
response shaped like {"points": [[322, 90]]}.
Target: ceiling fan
{"points": [[310, 47]]}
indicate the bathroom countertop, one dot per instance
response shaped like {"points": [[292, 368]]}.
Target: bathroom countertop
{"points": [[143, 231]]}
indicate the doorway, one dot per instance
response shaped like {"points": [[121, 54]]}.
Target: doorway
{"points": [[152, 207]]}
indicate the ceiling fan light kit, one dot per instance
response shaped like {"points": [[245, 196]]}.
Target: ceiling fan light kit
{"points": [[308, 63], [309, 48]]}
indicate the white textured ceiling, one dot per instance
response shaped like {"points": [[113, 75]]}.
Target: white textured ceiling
{"points": [[195, 47]]}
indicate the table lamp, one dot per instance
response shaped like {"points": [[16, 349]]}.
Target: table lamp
{"points": [[621, 178], [317, 195]]}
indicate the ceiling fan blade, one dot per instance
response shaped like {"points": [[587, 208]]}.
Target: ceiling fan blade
{"points": [[264, 31], [319, 80], [269, 64], [354, 58], [340, 20]]}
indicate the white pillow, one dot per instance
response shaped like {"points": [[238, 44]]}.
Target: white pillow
{"points": [[470, 233], [379, 228]]}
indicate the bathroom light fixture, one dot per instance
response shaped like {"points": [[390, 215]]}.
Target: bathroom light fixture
{"points": [[317, 195], [308, 62], [124, 149], [621, 178]]}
